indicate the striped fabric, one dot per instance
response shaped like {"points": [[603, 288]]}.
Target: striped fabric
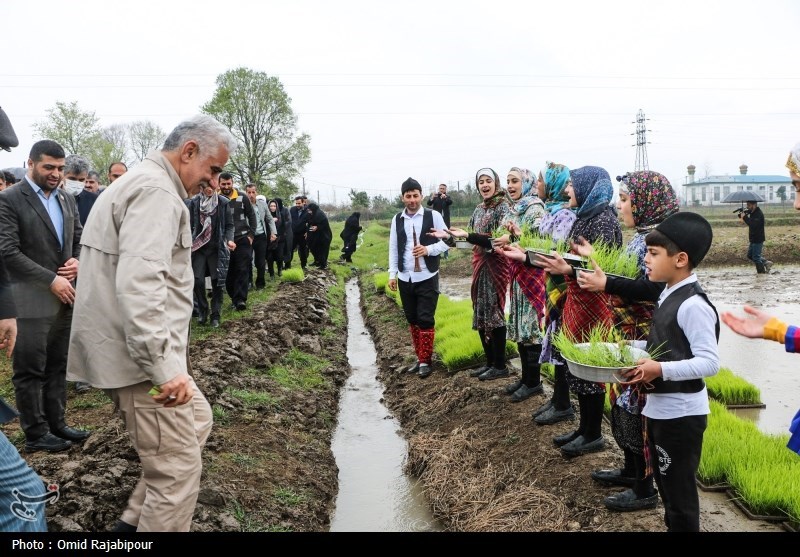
{"points": [[22, 501]]}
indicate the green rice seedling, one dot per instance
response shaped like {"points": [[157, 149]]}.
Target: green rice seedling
{"points": [[598, 353], [295, 274], [380, 280], [616, 261], [732, 390], [530, 240]]}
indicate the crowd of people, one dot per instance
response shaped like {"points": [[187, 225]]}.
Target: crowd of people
{"points": [[98, 286], [154, 244], [659, 411]]}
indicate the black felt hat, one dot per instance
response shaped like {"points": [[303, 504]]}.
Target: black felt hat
{"points": [[690, 232], [410, 184], [8, 138]]}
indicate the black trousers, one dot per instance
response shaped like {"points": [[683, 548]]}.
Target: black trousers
{"points": [[276, 255], [260, 258], [300, 245], [675, 446], [238, 279], [419, 301], [40, 372]]}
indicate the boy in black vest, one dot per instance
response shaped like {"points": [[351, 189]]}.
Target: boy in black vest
{"points": [[685, 328], [414, 260]]}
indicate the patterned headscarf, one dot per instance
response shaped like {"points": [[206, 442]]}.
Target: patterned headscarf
{"points": [[555, 177], [652, 198], [529, 195], [593, 189], [793, 164], [499, 193]]}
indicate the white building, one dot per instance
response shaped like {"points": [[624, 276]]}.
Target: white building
{"points": [[713, 189]]}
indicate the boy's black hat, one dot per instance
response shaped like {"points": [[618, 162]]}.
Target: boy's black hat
{"points": [[410, 184], [690, 232]]}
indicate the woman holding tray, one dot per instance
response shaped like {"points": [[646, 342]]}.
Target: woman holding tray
{"points": [[527, 284], [590, 191], [491, 273], [646, 198]]}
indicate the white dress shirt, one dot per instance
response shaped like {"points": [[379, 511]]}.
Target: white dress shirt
{"points": [[436, 249]]}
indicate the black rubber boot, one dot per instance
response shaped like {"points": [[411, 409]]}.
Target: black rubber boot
{"points": [[591, 410], [499, 347], [644, 485], [511, 388], [560, 388], [487, 350], [563, 439]]}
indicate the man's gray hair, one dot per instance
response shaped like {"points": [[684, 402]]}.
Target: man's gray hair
{"points": [[205, 130], [75, 164], [93, 174]]}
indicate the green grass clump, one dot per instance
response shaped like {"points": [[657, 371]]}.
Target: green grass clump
{"points": [[731, 389], [254, 399], [299, 370], [293, 275], [616, 260]]}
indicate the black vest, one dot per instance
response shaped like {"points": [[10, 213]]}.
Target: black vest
{"points": [[431, 261], [665, 329]]}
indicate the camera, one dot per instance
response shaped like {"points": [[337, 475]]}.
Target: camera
{"points": [[740, 211]]}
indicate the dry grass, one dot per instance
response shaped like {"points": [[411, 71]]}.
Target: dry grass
{"points": [[488, 498]]}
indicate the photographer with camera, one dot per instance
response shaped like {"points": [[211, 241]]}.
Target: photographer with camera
{"points": [[440, 201], [753, 217]]}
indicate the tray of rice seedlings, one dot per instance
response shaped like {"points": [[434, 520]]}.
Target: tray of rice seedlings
{"points": [[602, 358], [615, 261], [733, 391]]}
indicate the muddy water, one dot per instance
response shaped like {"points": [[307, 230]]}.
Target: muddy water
{"points": [[763, 363], [374, 493]]}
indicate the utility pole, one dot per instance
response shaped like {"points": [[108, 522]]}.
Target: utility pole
{"points": [[641, 141], [304, 185]]}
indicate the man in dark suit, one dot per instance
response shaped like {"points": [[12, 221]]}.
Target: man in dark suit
{"points": [[299, 218], [40, 233]]}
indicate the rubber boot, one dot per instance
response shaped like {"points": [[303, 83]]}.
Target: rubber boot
{"points": [[644, 486], [499, 348], [487, 350], [512, 387], [561, 440], [531, 383], [560, 387], [591, 439], [499, 370]]}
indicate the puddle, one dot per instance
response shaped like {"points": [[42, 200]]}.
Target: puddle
{"points": [[763, 363], [374, 493]]}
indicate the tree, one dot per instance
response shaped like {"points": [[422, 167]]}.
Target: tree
{"points": [[781, 193], [144, 136], [285, 189], [359, 199], [259, 114], [74, 129]]}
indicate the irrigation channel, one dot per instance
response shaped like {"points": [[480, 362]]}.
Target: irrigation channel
{"points": [[763, 363], [374, 493]]}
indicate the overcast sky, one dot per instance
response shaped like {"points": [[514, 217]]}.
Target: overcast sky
{"points": [[433, 89]]}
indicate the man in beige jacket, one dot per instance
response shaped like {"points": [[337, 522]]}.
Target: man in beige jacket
{"points": [[131, 319]]}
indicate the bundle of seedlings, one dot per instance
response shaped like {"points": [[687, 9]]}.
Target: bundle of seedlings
{"points": [[545, 244], [615, 260]]}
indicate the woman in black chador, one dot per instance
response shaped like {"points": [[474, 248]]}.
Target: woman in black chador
{"points": [[349, 236], [319, 235]]}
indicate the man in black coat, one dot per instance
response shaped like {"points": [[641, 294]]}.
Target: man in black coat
{"points": [[244, 232], [299, 216], [40, 233], [753, 217], [440, 201]]}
